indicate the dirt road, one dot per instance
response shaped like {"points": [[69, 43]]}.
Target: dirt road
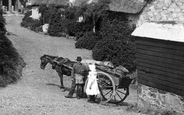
{"points": [[37, 93]]}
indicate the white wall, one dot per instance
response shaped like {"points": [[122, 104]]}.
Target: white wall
{"points": [[35, 13], [163, 10]]}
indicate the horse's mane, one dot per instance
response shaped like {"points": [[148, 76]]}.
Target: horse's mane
{"points": [[44, 56]]}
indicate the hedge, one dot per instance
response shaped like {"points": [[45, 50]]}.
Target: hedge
{"points": [[88, 41], [116, 51], [57, 25], [116, 45], [31, 23], [11, 63]]}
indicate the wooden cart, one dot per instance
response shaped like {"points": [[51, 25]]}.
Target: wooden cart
{"points": [[113, 84]]}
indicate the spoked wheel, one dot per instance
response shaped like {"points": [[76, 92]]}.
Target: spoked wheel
{"points": [[120, 95], [106, 86]]}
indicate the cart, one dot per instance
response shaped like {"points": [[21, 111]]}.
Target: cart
{"points": [[113, 84]]}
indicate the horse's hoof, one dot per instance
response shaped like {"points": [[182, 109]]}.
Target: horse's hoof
{"points": [[63, 90], [61, 87]]}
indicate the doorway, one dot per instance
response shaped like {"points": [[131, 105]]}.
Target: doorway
{"points": [[5, 3]]}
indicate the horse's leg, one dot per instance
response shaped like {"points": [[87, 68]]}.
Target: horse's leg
{"points": [[60, 73]]}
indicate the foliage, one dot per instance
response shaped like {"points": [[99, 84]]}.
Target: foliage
{"points": [[26, 19], [57, 25], [2, 25], [71, 13], [67, 23], [118, 27], [47, 13], [92, 12], [28, 22], [27, 15], [23, 2], [116, 51], [9, 61], [76, 28], [88, 41], [117, 44], [35, 24]]}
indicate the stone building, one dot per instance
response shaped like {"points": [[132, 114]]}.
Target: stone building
{"points": [[159, 41], [130, 8], [10, 5], [160, 28], [163, 10]]}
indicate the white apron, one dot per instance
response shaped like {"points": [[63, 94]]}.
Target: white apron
{"points": [[92, 85]]}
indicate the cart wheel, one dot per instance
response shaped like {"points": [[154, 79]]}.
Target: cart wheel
{"points": [[106, 87], [120, 95]]}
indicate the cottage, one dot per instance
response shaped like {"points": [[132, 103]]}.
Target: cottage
{"points": [[130, 8], [160, 64], [162, 10], [160, 43], [36, 3]]}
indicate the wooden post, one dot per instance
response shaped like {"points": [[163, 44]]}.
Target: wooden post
{"points": [[1, 9], [10, 5], [1, 3]]}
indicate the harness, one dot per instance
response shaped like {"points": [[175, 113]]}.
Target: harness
{"points": [[62, 62]]}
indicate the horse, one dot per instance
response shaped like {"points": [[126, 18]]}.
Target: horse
{"points": [[63, 66]]}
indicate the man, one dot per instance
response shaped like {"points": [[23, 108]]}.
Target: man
{"points": [[80, 69]]}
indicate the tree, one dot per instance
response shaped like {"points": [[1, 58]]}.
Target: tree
{"points": [[94, 11], [23, 2]]}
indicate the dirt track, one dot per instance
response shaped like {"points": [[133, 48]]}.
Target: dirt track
{"points": [[37, 93]]}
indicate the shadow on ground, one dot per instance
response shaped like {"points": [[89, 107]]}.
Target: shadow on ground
{"points": [[52, 84]]}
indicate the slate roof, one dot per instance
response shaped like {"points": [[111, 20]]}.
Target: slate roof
{"points": [[127, 6]]}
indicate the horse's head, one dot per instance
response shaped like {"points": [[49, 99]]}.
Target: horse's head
{"points": [[44, 61]]}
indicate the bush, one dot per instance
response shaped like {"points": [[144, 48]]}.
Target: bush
{"points": [[115, 50], [47, 13], [117, 44], [27, 15], [2, 26], [120, 29], [88, 41], [57, 25], [28, 22], [10, 62], [35, 24], [68, 24], [78, 29]]}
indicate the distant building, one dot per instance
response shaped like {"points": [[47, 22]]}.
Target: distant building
{"points": [[10, 5]]}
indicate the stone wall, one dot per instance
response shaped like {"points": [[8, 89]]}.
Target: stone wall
{"points": [[154, 99], [163, 10]]}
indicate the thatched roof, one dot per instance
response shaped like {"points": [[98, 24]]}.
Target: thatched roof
{"points": [[162, 31], [58, 2], [55, 2], [38, 2], [127, 6], [79, 2]]}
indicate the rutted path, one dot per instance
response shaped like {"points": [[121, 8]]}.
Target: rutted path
{"points": [[37, 93]]}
